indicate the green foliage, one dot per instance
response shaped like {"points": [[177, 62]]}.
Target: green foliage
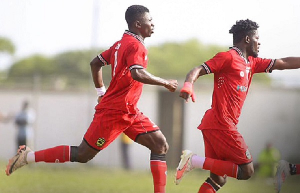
{"points": [[71, 69], [73, 63], [33, 65], [6, 46], [66, 70], [177, 59]]}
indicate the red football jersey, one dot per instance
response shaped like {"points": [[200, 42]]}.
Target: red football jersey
{"points": [[123, 92], [232, 77]]}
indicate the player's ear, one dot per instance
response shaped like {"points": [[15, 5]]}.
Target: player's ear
{"points": [[247, 39], [137, 24]]}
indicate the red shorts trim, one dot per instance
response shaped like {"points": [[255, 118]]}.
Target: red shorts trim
{"points": [[226, 145], [107, 125]]}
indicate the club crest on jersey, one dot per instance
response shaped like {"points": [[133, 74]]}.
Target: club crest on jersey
{"points": [[242, 74], [248, 155], [100, 142]]}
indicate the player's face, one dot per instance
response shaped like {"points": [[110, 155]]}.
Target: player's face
{"points": [[147, 25], [254, 44]]}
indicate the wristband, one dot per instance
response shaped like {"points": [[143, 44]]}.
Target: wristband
{"points": [[188, 88], [101, 91]]}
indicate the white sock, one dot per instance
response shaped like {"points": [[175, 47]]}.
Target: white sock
{"points": [[30, 157], [197, 161]]}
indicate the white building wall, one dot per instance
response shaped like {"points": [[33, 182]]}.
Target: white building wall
{"points": [[269, 114]]}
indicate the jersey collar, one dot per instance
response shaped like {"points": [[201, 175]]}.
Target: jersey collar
{"points": [[135, 36], [240, 53]]}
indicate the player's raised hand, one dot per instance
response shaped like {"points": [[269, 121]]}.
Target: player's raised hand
{"points": [[187, 91], [172, 85]]}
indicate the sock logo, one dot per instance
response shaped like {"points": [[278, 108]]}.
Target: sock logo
{"points": [[100, 142]]}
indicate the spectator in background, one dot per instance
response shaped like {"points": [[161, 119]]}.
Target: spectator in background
{"points": [[23, 121], [284, 170], [267, 161], [125, 143]]}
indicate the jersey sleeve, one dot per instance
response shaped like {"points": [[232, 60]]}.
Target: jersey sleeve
{"points": [[217, 63], [263, 65], [136, 57], [105, 56]]}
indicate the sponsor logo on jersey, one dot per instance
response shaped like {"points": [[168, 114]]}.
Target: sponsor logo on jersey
{"points": [[100, 142], [241, 88]]}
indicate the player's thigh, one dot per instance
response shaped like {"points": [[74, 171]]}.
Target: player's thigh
{"points": [[228, 145], [209, 148], [147, 133], [85, 152], [155, 141], [106, 126]]}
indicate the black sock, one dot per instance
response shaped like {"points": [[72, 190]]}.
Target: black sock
{"points": [[215, 186], [73, 153], [161, 157]]}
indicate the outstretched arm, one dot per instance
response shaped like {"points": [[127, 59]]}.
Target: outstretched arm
{"points": [[96, 69], [187, 91], [145, 77], [287, 63], [194, 74]]}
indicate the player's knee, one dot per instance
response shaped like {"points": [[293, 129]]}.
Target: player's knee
{"points": [[222, 182], [163, 148], [84, 158], [249, 174], [216, 182], [80, 155], [219, 180], [159, 147], [245, 174]]}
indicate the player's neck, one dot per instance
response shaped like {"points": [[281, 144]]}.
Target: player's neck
{"points": [[137, 33], [242, 50]]}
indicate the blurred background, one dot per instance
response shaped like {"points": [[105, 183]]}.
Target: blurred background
{"points": [[46, 47]]}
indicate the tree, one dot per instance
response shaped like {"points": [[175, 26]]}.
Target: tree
{"points": [[176, 59], [7, 46], [71, 69], [7, 49], [30, 66], [74, 66]]}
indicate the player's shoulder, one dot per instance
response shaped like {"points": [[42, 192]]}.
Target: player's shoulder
{"points": [[224, 55]]}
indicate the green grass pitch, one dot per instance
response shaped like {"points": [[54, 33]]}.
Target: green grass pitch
{"points": [[84, 178]]}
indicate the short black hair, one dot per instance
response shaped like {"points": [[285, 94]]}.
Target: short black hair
{"points": [[134, 12], [242, 28]]}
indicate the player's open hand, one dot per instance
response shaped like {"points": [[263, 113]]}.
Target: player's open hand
{"points": [[172, 85], [186, 96]]}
